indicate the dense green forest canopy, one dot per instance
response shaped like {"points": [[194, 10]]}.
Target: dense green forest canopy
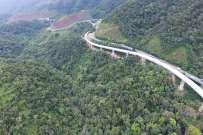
{"points": [[59, 49], [14, 37], [26, 28], [58, 86], [51, 83], [171, 29], [37, 99]]}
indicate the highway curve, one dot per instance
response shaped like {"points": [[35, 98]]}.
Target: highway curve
{"points": [[171, 68]]}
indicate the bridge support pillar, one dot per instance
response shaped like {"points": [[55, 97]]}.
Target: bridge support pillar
{"points": [[100, 49], [201, 108], [113, 53], [181, 86], [143, 60], [90, 46], [173, 78], [126, 55]]}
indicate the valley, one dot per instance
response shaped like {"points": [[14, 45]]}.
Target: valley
{"points": [[120, 76]]}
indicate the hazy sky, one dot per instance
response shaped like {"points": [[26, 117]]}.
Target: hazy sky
{"points": [[8, 5], [5, 3]]}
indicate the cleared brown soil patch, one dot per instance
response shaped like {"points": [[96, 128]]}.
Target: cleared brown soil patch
{"points": [[28, 16], [66, 21]]}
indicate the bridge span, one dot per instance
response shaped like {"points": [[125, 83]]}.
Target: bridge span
{"points": [[144, 56], [193, 77]]}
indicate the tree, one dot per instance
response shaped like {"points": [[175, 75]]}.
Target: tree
{"points": [[192, 130]]}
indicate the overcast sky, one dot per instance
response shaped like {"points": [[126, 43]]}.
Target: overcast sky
{"points": [[8, 5]]}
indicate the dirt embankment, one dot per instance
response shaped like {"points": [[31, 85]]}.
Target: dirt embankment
{"points": [[68, 20]]}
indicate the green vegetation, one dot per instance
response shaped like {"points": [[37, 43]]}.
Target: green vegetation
{"points": [[98, 8], [101, 96], [110, 32], [22, 28], [34, 90], [14, 37], [10, 46], [153, 44], [176, 23], [194, 131], [59, 49], [55, 85]]}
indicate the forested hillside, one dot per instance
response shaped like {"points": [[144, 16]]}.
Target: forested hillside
{"points": [[57, 86], [59, 49], [171, 29], [37, 99], [14, 37], [52, 84], [98, 8]]}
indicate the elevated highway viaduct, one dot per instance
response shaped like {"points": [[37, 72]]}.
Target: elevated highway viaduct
{"points": [[175, 71]]}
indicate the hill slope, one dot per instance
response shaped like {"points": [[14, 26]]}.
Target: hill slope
{"points": [[56, 85], [98, 8], [170, 29], [100, 96]]}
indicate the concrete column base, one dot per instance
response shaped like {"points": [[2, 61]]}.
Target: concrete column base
{"points": [[181, 86], [173, 78], [114, 55], [143, 61], [201, 108]]}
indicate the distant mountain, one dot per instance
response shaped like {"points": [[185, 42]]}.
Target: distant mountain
{"points": [[99, 8]]}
